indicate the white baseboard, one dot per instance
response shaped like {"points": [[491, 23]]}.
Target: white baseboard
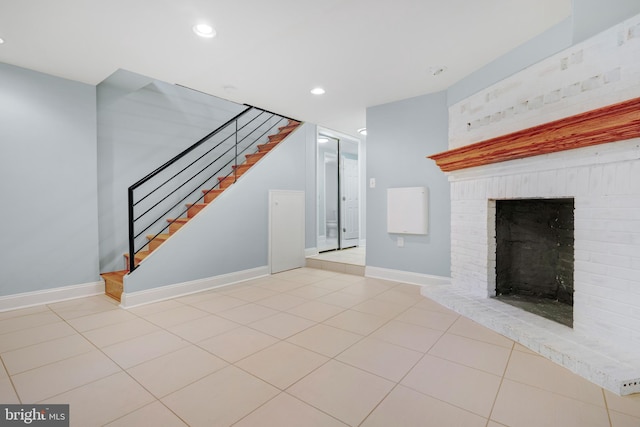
{"points": [[405, 276], [133, 299], [48, 296], [310, 252]]}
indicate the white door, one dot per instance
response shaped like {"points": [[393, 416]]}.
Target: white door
{"points": [[350, 203], [286, 230]]}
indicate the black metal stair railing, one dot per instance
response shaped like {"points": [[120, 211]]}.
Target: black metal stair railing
{"points": [[167, 190]]}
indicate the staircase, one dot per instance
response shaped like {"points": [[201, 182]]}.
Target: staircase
{"points": [[114, 280]]}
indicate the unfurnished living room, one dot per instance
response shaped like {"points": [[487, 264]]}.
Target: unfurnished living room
{"points": [[337, 213]]}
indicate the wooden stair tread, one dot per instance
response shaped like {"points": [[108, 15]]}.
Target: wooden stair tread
{"points": [[178, 220], [114, 275], [158, 237]]}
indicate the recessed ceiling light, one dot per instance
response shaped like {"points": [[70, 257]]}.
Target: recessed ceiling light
{"points": [[1, 40], [436, 70], [204, 30], [323, 140], [362, 131], [317, 91]]}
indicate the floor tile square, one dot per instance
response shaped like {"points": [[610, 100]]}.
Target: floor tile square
{"points": [[380, 358], [168, 373], [315, 310], [287, 411], [623, 420], [228, 395], [154, 414], [540, 372], [50, 380], [408, 335], [7, 393], [325, 339], [356, 322], [146, 347], [461, 386], [380, 308], [247, 313], [219, 303], [103, 400], [521, 405], [427, 318], [120, 332], [342, 299], [347, 393], [83, 306], [282, 325], [395, 296], [282, 364], [237, 343], [26, 337], [156, 307], [203, 327], [99, 320], [282, 302], [475, 354], [20, 323], [404, 407], [468, 328], [37, 355], [332, 284], [175, 316], [251, 293], [629, 405], [310, 291]]}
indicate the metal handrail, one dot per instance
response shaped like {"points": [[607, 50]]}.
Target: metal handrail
{"points": [[254, 135]]}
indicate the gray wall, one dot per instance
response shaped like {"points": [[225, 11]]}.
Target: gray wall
{"points": [[546, 44], [47, 181], [399, 136], [143, 123], [231, 234], [591, 17]]}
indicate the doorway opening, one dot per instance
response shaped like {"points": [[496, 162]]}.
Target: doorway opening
{"points": [[338, 193]]}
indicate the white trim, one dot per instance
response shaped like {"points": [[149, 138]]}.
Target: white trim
{"points": [[133, 299], [410, 277], [48, 296], [310, 252]]}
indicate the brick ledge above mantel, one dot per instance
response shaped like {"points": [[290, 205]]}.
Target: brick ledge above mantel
{"points": [[617, 122]]}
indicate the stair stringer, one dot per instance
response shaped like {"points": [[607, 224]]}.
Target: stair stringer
{"points": [[231, 234]]}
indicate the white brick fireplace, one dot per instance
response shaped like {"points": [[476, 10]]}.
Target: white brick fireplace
{"points": [[603, 180]]}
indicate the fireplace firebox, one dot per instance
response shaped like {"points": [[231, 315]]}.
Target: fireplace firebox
{"points": [[535, 256]]}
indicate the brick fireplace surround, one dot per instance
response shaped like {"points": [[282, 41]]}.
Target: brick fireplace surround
{"points": [[567, 127]]}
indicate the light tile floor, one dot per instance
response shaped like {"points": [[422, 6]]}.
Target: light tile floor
{"points": [[301, 348]]}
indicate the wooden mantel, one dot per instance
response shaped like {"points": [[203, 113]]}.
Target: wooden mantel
{"points": [[616, 122]]}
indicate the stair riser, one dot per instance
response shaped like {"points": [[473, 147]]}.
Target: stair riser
{"points": [[210, 197], [113, 289], [193, 210], [155, 244], [175, 226], [266, 147], [253, 158]]}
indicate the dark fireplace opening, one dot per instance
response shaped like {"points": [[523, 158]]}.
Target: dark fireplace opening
{"points": [[534, 256]]}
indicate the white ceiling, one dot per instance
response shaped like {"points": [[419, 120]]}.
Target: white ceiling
{"points": [[271, 53]]}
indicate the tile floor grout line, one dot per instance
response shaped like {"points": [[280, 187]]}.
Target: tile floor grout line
{"points": [[502, 378]]}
